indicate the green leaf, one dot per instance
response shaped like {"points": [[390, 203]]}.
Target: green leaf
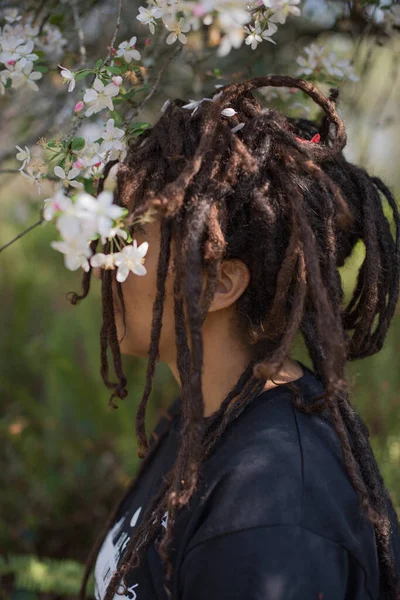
{"points": [[138, 128], [129, 94], [78, 144], [40, 68], [116, 116], [98, 64], [82, 74], [115, 70], [56, 19]]}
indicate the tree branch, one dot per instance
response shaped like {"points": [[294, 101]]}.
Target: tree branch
{"points": [[81, 36], [20, 235]]}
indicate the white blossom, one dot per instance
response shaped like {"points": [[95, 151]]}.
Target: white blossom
{"points": [[100, 96], [317, 61], [115, 232], [52, 40], [281, 9], [25, 51], [253, 36], [9, 46], [33, 175], [128, 51], [339, 68], [91, 155], [11, 15], [105, 261], [24, 155], [58, 202], [100, 210], [266, 34], [68, 76], [178, 30], [314, 59], [23, 74], [112, 137], [131, 259], [147, 16], [76, 253], [68, 179], [95, 171]]}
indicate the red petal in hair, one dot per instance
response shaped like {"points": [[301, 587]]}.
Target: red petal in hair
{"points": [[315, 139]]}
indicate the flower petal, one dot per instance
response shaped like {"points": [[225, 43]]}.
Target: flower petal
{"points": [[122, 273], [141, 251], [59, 172], [139, 269], [98, 259]]}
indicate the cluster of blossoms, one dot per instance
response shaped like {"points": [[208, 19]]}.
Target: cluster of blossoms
{"points": [[319, 62], [108, 79], [230, 22], [78, 160], [81, 160], [86, 218], [21, 47], [75, 164]]}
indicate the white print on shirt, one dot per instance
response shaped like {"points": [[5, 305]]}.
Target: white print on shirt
{"points": [[109, 555]]}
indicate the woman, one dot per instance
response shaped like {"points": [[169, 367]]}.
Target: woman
{"points": [[260, 483]]}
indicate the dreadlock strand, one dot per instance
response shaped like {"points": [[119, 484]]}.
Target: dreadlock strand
{"points": [[162, 271]]}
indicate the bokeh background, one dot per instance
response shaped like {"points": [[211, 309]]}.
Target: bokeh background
{"points": [[65, 455]]}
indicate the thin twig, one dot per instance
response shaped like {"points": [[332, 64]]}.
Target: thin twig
{"points": [[79, 118], [20, 235], [154, 87], [114, 37], [81, 36], [4, 171]]}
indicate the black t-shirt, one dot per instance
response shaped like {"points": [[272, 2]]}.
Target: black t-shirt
{"points": [[274, 518]]}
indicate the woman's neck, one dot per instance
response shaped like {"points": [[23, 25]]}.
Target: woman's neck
{"points": [[224, 360]]}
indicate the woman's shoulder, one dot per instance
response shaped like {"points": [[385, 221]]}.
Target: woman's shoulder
{"points": [[278, 466]]}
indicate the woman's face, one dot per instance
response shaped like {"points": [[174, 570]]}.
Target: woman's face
{"points": [[139, 294]]}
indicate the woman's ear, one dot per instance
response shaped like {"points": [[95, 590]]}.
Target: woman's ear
{"points": [[234, 277]]}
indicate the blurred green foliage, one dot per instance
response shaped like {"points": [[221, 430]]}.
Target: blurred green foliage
{"points": [[65, 455]]}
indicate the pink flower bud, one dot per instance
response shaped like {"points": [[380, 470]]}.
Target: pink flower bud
{"points": [[98, 164], [11, 62], [78, 164], [78, 106], [117, 80], [147, 41]]}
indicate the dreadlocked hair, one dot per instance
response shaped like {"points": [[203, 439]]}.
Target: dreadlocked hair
{"points": [[253, 186]]}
